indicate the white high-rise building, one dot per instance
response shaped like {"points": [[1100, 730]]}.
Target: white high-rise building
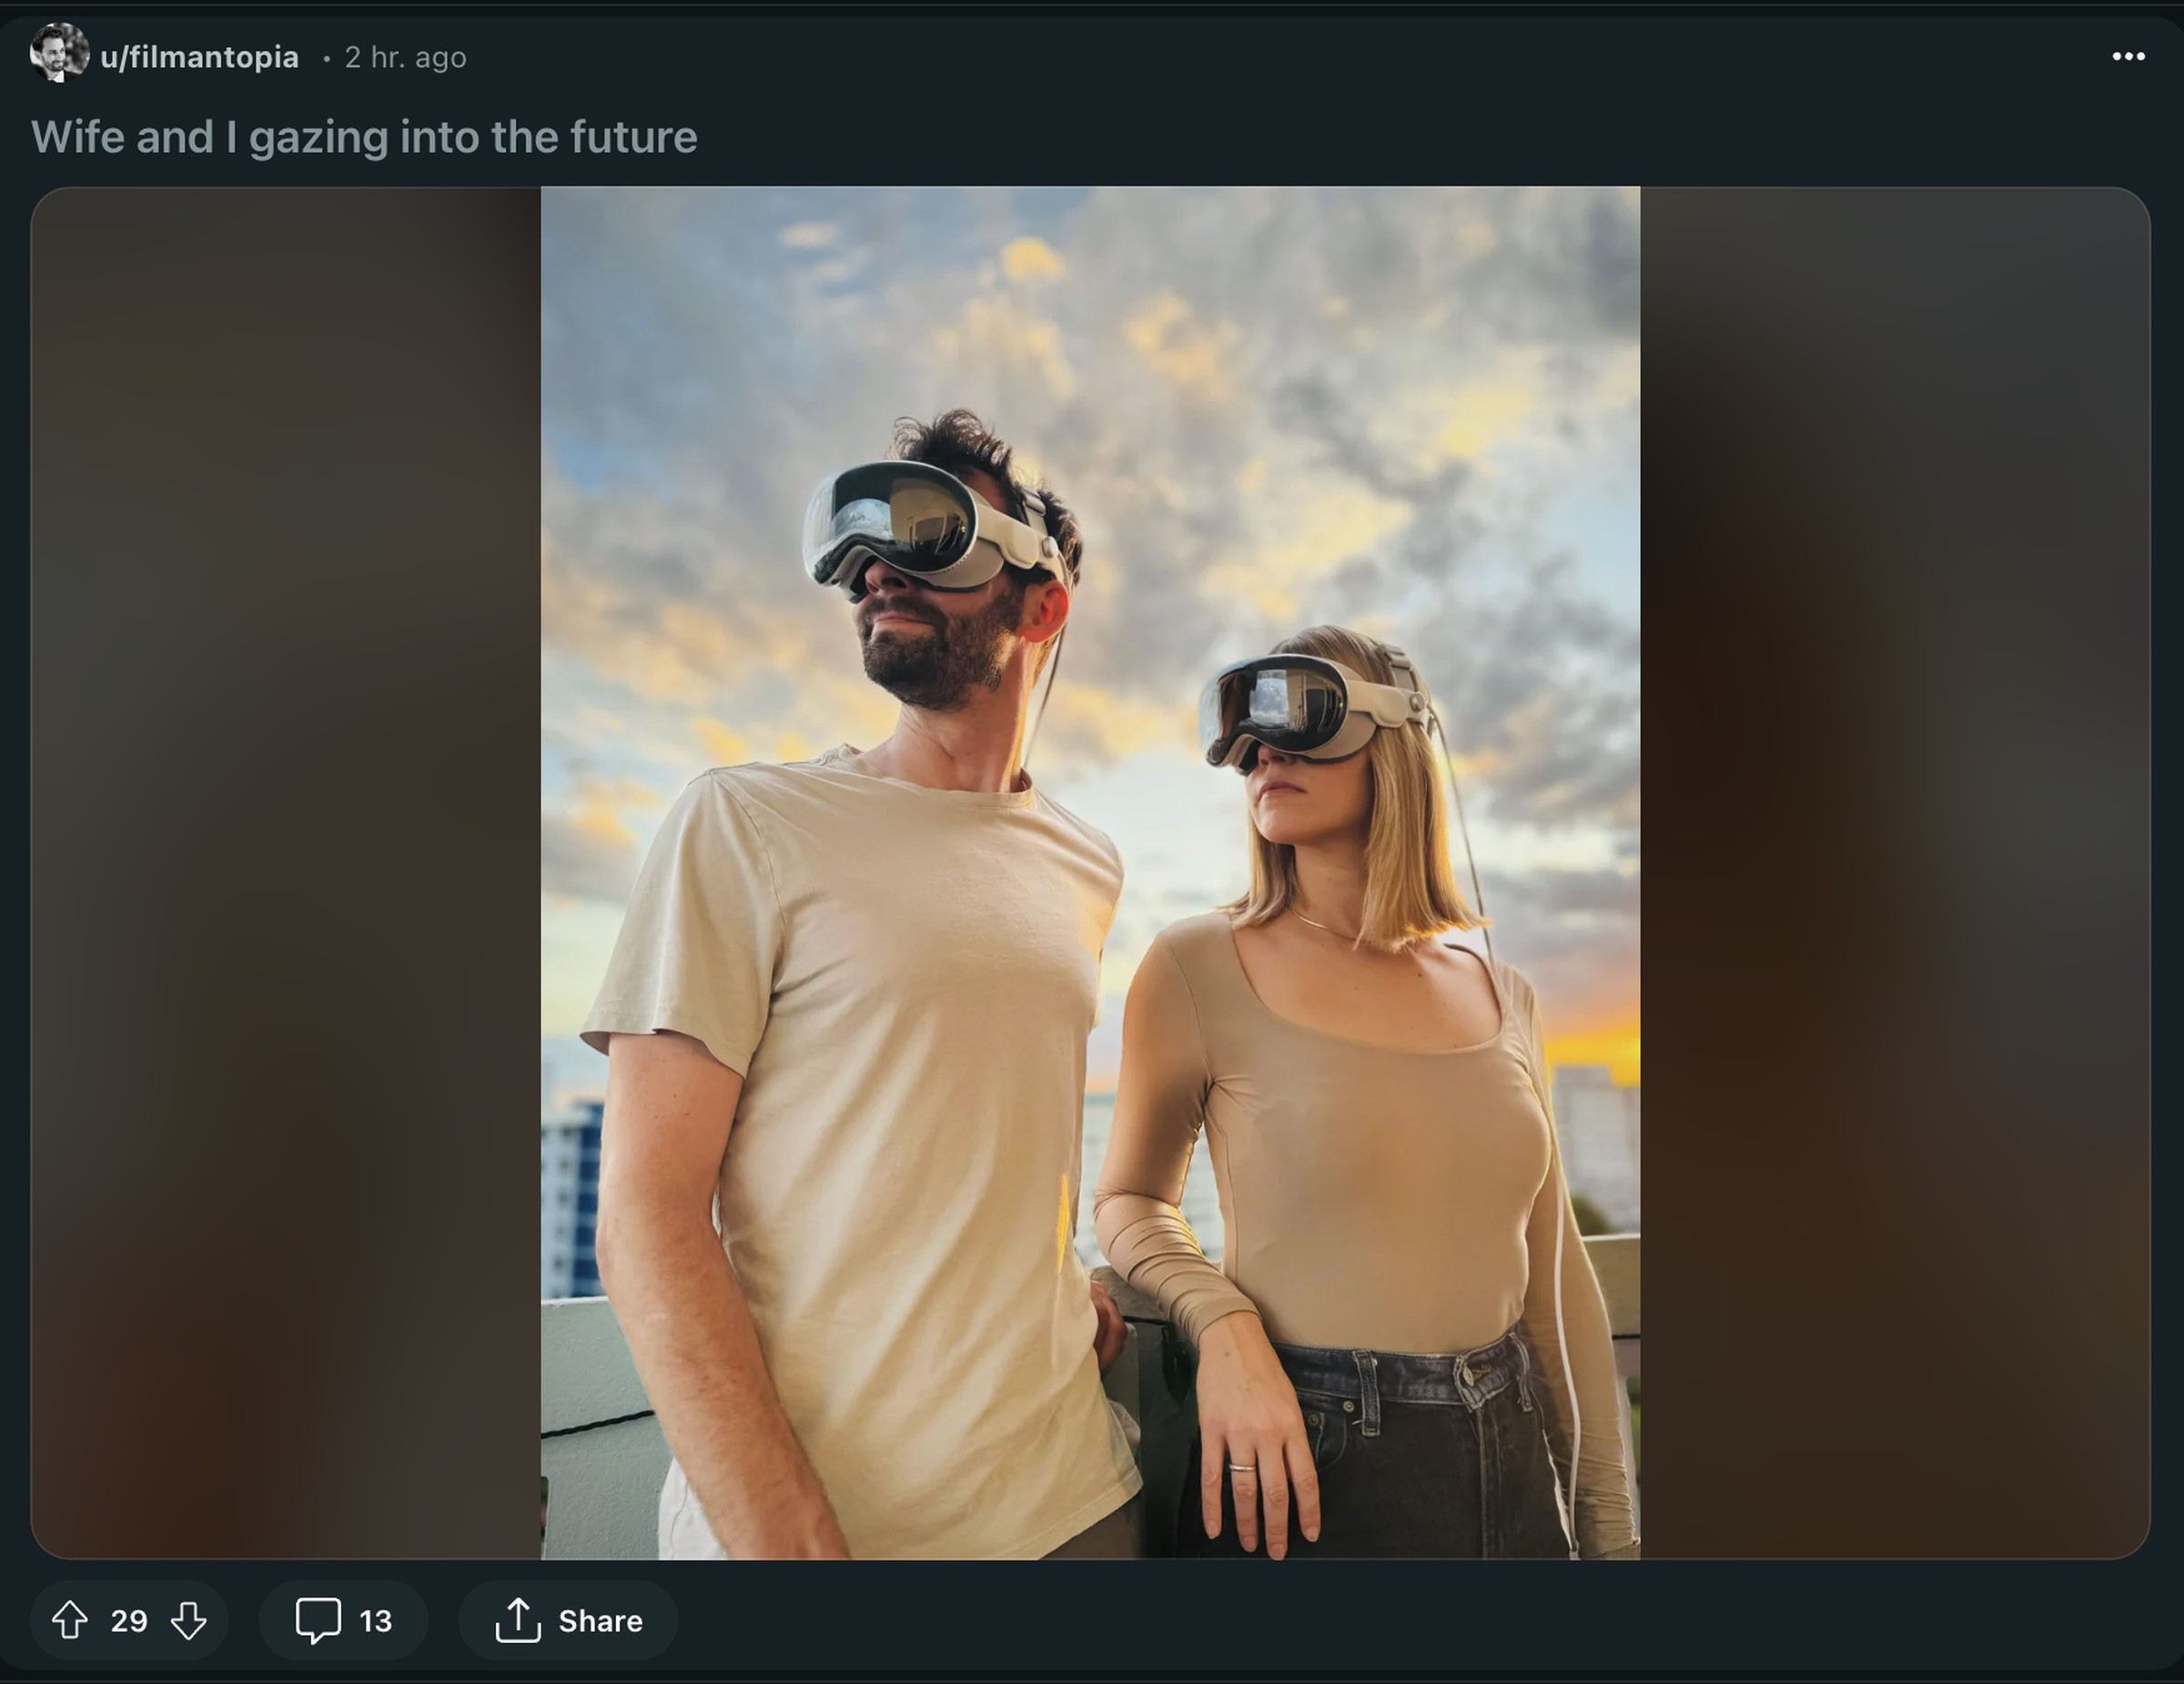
{"points": [[1598, 1122], [568, 1192]]}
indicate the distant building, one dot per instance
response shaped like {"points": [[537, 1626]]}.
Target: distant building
{"points": [[569, 1198], [1598, 1122]]}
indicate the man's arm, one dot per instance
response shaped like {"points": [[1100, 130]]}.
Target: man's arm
{"points": [[669, 1107]]}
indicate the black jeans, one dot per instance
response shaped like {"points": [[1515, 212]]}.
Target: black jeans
{"points": [[1417, 1455]]}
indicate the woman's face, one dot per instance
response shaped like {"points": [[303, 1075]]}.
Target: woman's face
{"points": [[1304, 803]]}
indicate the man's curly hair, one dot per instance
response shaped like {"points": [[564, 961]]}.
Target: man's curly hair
{"points": [[958, 443]]}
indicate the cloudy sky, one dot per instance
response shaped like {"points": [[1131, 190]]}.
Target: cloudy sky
{"points": [[1413, 412]]}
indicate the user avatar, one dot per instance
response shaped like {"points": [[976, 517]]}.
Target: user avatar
{"points": [[60, 53]]}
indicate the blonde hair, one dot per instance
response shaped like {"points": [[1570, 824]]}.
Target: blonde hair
{"points": [[1410, 893]]}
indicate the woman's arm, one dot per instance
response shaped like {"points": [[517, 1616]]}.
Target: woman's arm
{"points": [[1251, 1432], [1159, 1107], [1603, 1522]]}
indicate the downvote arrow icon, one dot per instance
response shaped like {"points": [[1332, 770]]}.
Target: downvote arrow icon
{"points": [[189, 1622], [69, 1620]]}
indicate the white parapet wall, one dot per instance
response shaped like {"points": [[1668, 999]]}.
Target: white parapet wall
{"points": [[602, 1470]]}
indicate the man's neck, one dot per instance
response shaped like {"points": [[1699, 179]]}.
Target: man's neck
{"points": [[978, 747]]}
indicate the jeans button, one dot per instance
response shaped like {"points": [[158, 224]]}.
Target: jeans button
{"points": [[1348, 1408]]}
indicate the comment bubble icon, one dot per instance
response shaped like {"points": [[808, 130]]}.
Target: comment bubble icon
{"points": [[318, 1616]]}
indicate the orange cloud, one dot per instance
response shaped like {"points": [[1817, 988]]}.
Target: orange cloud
{"points": [[996, 328], [1104, 724], [1319, 530], [727, 747], [673, 651], [1497, 407], [597, 813], [1192, 354], [1032, 258]]}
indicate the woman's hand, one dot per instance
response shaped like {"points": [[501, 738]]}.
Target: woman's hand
{"points": [[1252, 1434], [1109, 1331]]}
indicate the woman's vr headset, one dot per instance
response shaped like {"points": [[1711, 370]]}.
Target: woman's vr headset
{"points": [[920, 521], [1305, 705]]}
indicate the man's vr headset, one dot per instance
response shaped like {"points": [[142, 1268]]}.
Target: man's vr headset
{"points": [[1304, 705], [922, 522]]}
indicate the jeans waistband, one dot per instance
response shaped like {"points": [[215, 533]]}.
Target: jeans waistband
{"points": [[1372, 1377]]}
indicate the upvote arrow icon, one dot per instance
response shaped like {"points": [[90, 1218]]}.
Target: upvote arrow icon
{"points": [[189, 1622], [69, 1620]]}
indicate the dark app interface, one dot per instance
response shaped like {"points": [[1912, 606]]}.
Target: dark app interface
{"points": [[315, 568]]}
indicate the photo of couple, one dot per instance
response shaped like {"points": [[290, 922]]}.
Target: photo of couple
{"points": [[929, 578]]}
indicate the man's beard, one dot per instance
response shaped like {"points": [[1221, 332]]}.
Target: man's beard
{"points": [[938, 671]]}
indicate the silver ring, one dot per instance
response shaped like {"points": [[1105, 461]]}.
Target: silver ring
{"points": [[1243, 1467]]}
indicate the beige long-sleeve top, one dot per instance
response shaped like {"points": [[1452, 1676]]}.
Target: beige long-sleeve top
{"points": [[1374, 1199]]}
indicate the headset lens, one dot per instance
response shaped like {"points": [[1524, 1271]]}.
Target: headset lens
{"points": [[1278, 701], [906, 514]]}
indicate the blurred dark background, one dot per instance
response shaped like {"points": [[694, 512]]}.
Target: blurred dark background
{"points": [[1898, 611], [284, 538]]}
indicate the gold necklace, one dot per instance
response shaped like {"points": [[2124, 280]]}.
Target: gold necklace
{"points": [[1318, 925]]}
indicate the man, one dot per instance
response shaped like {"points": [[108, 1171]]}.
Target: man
{"points": [[53, 53], [849, 1004]]}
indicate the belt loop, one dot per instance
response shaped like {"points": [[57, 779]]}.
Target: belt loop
{"points": [[1523, 1371], [1368, 1389]]}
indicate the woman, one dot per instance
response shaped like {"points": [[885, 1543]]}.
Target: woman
{"points": [[1384, 1368]]}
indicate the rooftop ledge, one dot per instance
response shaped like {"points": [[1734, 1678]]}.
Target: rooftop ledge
{"points": [[603, 1455]]}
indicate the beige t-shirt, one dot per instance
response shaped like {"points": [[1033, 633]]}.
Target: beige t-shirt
{"points": [[1373, 1199], [904, 977]]}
